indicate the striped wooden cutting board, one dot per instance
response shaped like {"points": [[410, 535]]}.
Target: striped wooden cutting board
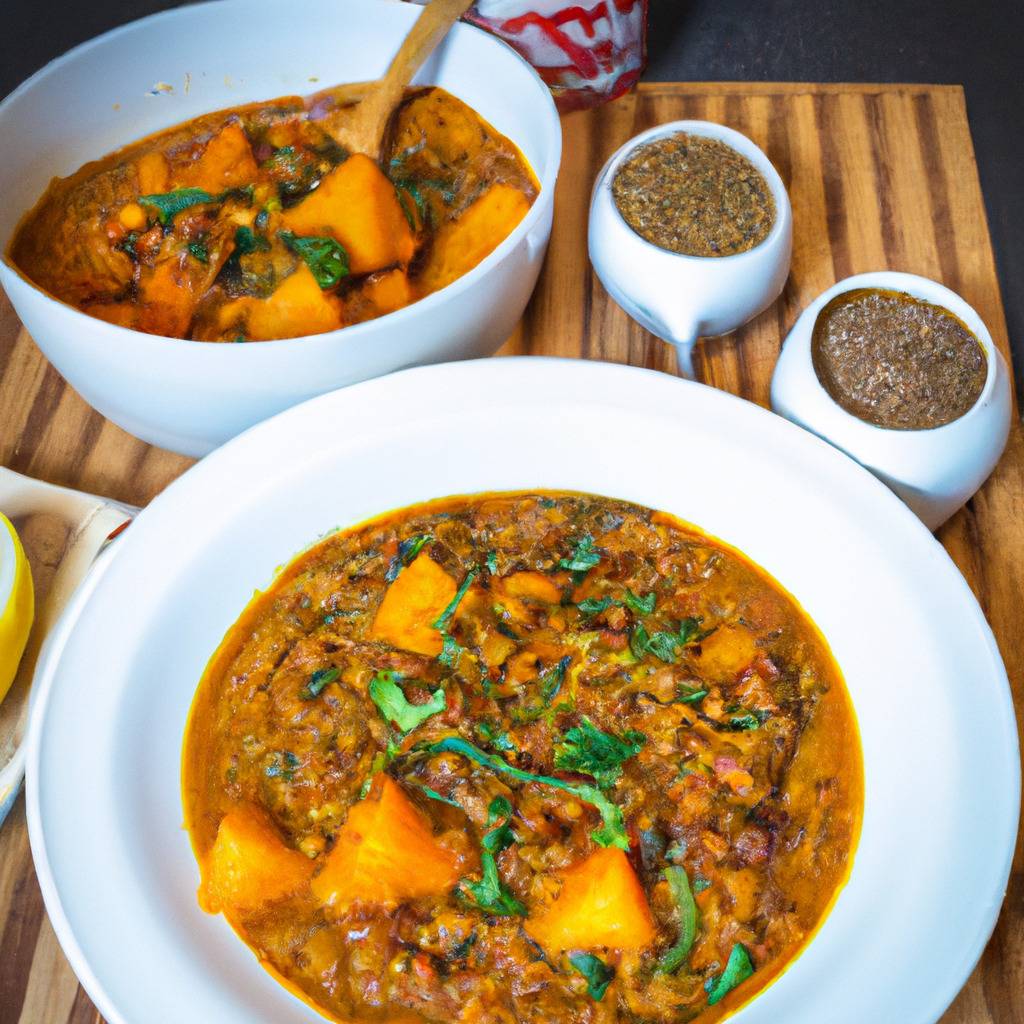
{"points": [[880, 177]]}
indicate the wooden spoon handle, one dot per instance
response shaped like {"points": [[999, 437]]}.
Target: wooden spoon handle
{"points": [[375, 110]]}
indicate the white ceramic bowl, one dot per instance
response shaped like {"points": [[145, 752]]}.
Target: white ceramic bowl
{"points": [[683, 298], [104, 803], [192, 396], [933, 471]]}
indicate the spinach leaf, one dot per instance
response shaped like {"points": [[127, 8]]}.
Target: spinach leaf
{"points": [[737, 970], [613, 827], [598, 974], [594, 605], [639, 605], [663, 644], [247, 241], [169, 204], [583, 557], [321, 678], [444, 619], [492, 562], [588, 750], [672, 959], [325, 257], [389, 698], [408, 549], [199, 251], [490, 893], [746, 722]]}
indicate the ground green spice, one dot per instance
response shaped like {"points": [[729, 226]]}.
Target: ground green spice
{"points": [[695, 196], [896, 361]]}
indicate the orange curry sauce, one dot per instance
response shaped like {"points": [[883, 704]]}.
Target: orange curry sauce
{"points": [[256, 223], [521, 758]]}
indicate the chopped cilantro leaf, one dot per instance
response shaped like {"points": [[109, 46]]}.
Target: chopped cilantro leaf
{"points": [[583, 557], [394, 707], [598, 974], [639, 605], [490, 893], [588, 750], [737, 970]]}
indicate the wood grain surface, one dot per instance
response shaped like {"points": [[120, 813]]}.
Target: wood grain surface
{"points": [[879, 176]]}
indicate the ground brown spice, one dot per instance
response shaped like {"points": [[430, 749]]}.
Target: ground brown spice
{"points": [[896, 361], [695, 196]]}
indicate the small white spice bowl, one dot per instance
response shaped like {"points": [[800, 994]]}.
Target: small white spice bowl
{"points": [[683, 298], [934, 471]]}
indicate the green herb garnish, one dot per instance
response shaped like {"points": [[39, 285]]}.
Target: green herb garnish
{"points": [[317, 681], [595, 605], [490, 893], [169, 204], [444, 619], [408, 549], [598, 974], [672, 959], [499, 740], [247, 241], [689, 696], [492, 562], [663, 644], [451, 651], [549, 684], [325, 257], [199, 251], [613, 828], [588, 750], [639, 605], [394, 707], [582, 559], [737, 970]]}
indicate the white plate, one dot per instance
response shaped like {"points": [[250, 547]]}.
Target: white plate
{"points": [[940, 745]]}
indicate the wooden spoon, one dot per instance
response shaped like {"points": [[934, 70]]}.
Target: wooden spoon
{"points": [[363, 128]]}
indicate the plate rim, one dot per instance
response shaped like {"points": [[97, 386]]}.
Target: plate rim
{"points": [[250, 439]]}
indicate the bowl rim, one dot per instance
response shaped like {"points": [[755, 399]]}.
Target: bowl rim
{"points": [[552, 142], [969, 946], [711, 130]]}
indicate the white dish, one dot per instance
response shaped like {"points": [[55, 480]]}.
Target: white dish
{"points": [[933, 471], [191, 396], [683, 298], [104, 804]]}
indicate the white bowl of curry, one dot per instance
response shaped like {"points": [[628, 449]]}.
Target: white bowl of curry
{"points": [[231, 264], [530, 755]]}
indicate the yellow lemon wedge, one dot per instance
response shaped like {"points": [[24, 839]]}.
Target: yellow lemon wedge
{"points": [[17, 603]]}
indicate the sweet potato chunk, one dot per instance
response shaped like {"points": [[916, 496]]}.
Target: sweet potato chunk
{"points": [[384, 853], [357, 205], [601, 904], [153, 173], [727, 652], [249, 865], [226, 162], [461, 244], [298, 306], [416, 598], [387, 291], [533, 585]]}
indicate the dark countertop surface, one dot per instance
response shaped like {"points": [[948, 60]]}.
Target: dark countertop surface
{"points": [[975, 44]]}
